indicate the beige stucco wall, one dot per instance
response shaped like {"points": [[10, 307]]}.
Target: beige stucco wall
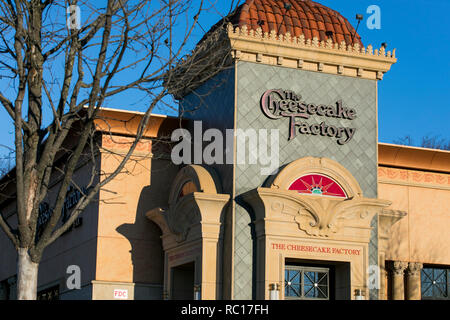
{"points": [[121, 249], [421, 236], [116, 246], [129, 245]]}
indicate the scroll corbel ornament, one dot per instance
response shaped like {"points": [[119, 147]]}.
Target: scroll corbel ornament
{"points": [[183, 226], [318, 216], [158, 216], [309, 223], [319, 210], [322, 217], [354, 210], [182, 217], [305, 216], [170, 223]]}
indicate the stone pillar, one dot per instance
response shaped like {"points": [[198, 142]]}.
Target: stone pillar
{"points": [[383, 277], [387, 218], [413, 288], [398, 288]]}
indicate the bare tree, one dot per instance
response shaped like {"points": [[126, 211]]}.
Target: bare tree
{"points": [[5, 165], [435, 142], [428, 141], [3, 168], [66, 72]]}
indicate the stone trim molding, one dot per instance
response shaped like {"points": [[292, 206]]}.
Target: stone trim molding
{"points": [[121, 283], [104, 290], [414, 178], [313, 55]]}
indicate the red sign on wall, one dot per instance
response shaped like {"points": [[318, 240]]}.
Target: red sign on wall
{"points": [[318, 184], [316, 249]]}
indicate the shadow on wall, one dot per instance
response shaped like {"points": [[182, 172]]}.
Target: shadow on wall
{"points": [[145, 236], [422, 247]]}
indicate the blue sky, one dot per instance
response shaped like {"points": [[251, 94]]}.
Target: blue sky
{"points": [[414, 97]]}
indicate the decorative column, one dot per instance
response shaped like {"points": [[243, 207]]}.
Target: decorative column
{"points": [[398, 288], [413, 288], [386, 219]]}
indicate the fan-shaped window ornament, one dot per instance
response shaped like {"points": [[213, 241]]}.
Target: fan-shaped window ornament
{"points": [[318, 184]]}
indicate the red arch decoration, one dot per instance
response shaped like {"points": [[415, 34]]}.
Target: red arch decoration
{"points": [[318, 184]]}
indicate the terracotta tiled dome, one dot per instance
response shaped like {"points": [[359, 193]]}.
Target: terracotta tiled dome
{"points": [[296, 16]]}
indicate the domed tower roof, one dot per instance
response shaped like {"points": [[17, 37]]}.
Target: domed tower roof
{"points": [[320, 40], [296, 17]]}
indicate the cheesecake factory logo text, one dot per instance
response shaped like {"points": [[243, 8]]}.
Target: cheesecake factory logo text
{"points": [[278, 103]]}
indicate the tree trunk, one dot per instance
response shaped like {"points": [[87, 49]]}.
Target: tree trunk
{"points": [[27, 276]]}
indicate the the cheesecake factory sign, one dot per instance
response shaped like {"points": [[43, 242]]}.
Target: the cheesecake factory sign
{"points": [[278, 103]]}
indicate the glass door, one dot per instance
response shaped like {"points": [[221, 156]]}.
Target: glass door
{"points": [[306, 283]]}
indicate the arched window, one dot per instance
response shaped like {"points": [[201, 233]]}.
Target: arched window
{"points": [[318, 184], [187, 188]]}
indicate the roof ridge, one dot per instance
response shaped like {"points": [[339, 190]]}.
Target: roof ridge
{"points": [[307, 17]]}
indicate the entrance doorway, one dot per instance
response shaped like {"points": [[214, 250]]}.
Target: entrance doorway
{"points": [[316, 280], [182, 279]]}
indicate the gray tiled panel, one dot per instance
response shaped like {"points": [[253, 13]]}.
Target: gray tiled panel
{"points": [[358, 156], [213, 104]]}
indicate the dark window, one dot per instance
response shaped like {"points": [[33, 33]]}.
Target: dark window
{"points": [[306, 283], [435, 283], [49, 294], [4, 290]]}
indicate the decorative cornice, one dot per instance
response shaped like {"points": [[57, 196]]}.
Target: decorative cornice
{"points": [[414, 178], [315, 55]]}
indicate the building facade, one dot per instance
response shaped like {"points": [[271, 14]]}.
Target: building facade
{"points": [[336, 216]]}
